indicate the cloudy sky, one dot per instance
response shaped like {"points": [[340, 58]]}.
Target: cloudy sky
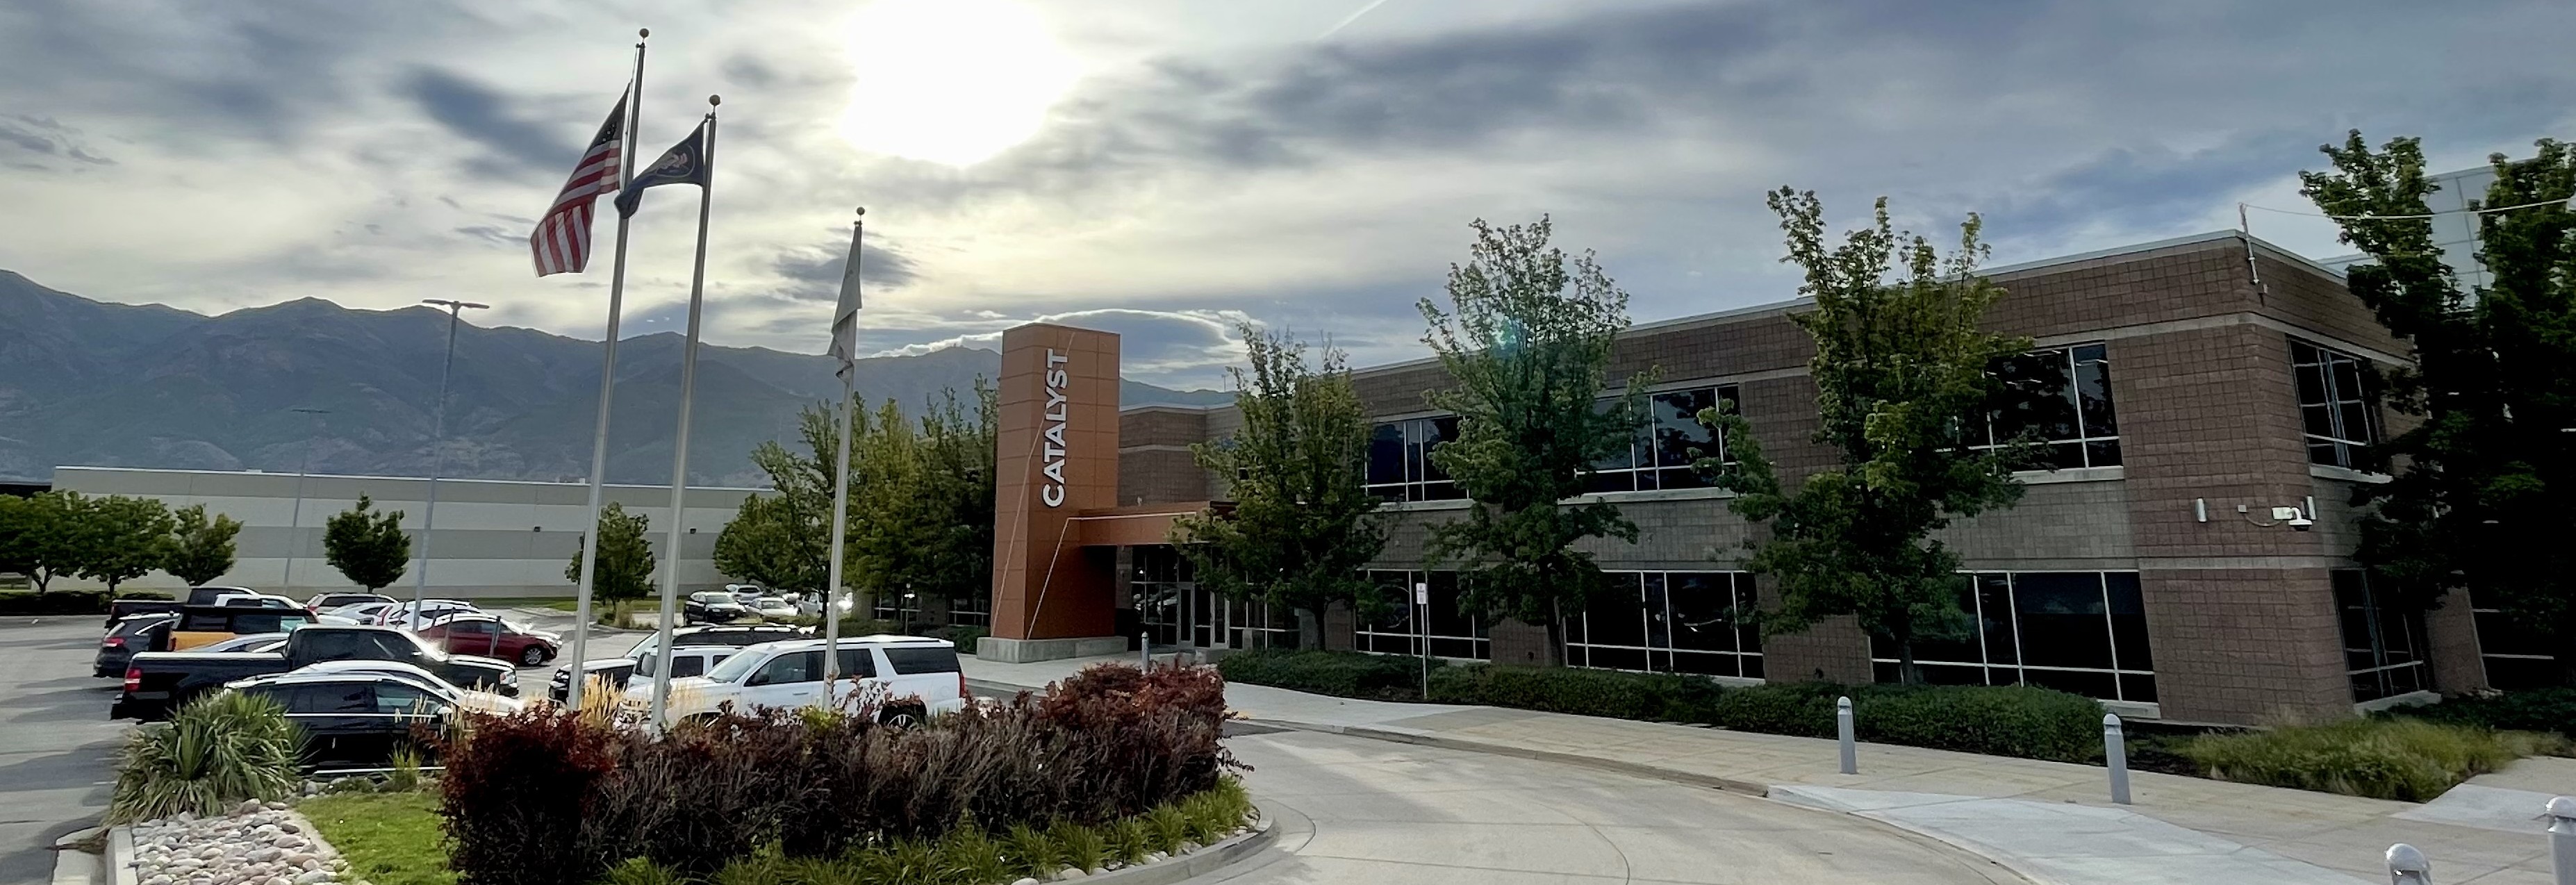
{"points": [[1166, 168]]}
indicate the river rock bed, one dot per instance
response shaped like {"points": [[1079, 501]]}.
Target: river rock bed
{"points": [[254, 844]]}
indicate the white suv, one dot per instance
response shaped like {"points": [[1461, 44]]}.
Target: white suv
{"points": [[906, 678]]}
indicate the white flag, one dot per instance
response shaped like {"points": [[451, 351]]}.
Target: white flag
{"points": [[845, 320]]}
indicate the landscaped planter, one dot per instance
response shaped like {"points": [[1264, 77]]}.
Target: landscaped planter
{"points": [[255, 844]]}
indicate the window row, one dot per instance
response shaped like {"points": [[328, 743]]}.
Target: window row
{"points": [[2517, 654], [1669, 622], [2080, 632], [2383, 644], [1399, 460], [1405, 627]]}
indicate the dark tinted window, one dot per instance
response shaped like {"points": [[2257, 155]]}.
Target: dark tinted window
{"points": [[334, 645], [930, 659], [395, 697], [686, 665], [265, 622], [329, 698], [206, 622], [799, 666]]}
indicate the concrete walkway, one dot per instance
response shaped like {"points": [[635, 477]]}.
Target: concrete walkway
{"points": [[2055, 822]]}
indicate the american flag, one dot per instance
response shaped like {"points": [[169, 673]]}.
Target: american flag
{"points": [[561, 242]]}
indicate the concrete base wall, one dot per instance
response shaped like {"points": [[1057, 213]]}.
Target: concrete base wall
{"points": [[1023, 651]]}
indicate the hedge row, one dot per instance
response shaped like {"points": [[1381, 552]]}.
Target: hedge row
{"points": [[2033, 723], [67, 602], [2539, 709]]}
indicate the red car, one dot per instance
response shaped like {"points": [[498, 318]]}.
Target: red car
{"points": [[488, 636]]}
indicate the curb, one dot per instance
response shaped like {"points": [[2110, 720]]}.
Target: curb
{"points": [[1205, 861], [73, 866], [1632, 769], [119, 859]]}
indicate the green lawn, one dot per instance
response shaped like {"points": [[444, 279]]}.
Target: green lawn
{"points": [[558, 603], [388, 838]]}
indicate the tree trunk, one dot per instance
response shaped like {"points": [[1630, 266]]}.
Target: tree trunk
{"points": [[41, 577], [1310, 630], [1906, 670]]}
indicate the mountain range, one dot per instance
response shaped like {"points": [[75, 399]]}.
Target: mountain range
{"points": [[93, 383]]}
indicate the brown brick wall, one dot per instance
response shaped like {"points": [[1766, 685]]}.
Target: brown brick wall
{"points": [[1147, 476], [2452, 631], [2247, 646], [1523, 644], [1162, 425]]}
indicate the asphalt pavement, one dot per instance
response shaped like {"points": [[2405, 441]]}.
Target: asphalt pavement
{"points": [[56, 742]]}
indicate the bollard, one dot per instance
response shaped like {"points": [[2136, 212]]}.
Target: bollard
{"points": [[2115, 753], [1843, 728], [2407, 866], [2562, 838]]}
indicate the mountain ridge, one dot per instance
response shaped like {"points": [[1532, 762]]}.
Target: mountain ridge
{"points": [[93, 383]]}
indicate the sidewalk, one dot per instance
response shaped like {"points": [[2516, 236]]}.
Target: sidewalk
{"points": [[2050, 821]]}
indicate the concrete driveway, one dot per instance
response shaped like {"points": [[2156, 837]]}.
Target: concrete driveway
{"points": [[56, 741], [1398, 814]]}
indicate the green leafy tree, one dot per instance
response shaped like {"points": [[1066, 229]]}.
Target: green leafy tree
{"points": [[45, 536], [953, 492], [201, 546], [921, 496], [2479, 502], [1900, 367], [1303, 524], [625, 557], [124, 538], [774, 542], [1527, 340], [367, 546]]}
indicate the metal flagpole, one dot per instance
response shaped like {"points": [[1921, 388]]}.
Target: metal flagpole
{"points": [[841, 472], [438, 443], [680, 447], [607, 387]]}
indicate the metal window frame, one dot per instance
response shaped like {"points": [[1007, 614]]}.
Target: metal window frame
{"points": [[2347, 446], [2020, 665], [1580, 625], [2084, 437]]}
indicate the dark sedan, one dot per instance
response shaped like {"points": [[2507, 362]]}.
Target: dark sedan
{"points": [[131, 634], [354, 720]]}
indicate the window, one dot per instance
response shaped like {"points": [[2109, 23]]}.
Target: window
{"points": [[2383, 645], [2516, 654], [974, 609], [1399, 460], [1669, 622], [2335, 410], [2060, 397], [397, 698], [326, 699], [1255, 624], [2080, 632], [908, 660], [794, 666], [1453, 634], [681, 667], [1160, 577], [1671, 440]]}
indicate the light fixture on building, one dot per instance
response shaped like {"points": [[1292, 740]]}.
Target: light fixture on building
{"points": [[2300, 520]]}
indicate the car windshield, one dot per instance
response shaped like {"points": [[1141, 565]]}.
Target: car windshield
{"points": [[734, 668]]}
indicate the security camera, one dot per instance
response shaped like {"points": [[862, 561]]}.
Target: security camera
{"points": [[2301, 523]]}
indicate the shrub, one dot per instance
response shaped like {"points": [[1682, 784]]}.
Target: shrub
{"points": [[2541, 709], [1347, 674], [62, 602], [2409, 760], [1651, 696], [217, 751], [1805, 709], [2032, 723], [519, 797]]}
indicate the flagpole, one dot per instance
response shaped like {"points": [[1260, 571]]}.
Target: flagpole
{"points": [[680, 448], [607, 389], [841, 480]]}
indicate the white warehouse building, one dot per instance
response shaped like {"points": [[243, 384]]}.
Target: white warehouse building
{"points": [[493, 538]]}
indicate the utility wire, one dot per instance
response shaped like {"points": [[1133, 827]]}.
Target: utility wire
{"points": [[2570, 203]]}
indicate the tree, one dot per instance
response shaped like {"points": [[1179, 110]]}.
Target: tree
{"points": [[1303, 524], [774, 542], [123, 538], [368, 547], [2477, 503], [45, 536], [201, 547], [953, 490], [1900, 368], [921, 499], [1527, 340], [625, 557]]}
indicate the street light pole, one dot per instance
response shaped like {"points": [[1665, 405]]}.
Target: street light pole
{"points": [[438, 450], [295, 522]]}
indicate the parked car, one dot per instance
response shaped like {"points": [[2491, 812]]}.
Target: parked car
{"points": [[351, 719], [129, 636], [362, 612], [713, 607], [159, 682], [207, 595], [908, 678], [464, 698], [774, 607], [257, 600], [490, 636], [694, 651], [323, 602], [410, 615], [209, 624], [745, 593], [120, 609]]}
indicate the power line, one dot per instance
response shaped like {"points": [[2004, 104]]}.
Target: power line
{"points": [[2569, 203]]}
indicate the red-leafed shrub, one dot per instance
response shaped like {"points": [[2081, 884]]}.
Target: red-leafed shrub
{"points": [[1108, 743]]}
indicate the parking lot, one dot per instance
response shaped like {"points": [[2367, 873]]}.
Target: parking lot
{"points": [[57, 745]]}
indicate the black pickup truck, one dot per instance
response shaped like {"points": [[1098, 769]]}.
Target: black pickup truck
{"points": [[157, 683]]}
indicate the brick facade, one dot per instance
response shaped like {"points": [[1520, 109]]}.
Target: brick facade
{"points": [[2241, 618]]}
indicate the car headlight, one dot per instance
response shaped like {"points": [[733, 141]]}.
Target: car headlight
{"points": [[509, 677]]}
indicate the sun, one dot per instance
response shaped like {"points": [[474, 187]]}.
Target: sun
{"points": [[951, 81]]}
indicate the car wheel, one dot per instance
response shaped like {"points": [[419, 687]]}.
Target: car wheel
{"points": [[906, 716], [532, 656]]}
